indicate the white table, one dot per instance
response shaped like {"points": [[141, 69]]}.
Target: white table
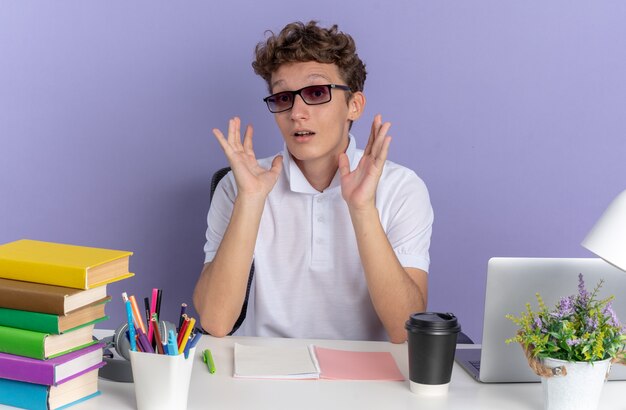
{"points": [[222, 391]]}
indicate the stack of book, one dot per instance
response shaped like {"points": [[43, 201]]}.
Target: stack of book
{"points": [[51, 297]]}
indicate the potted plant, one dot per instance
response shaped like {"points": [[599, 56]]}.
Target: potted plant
{"points": [[571, 347]]}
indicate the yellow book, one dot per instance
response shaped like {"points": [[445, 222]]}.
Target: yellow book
{"points": [[58, 264]]}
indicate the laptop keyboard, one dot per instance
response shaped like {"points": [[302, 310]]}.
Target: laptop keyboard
{"points": [[475, 364]]}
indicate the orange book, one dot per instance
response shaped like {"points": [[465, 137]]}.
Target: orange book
{"points": [[71, 266]]}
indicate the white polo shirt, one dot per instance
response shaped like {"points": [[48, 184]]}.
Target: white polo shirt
{"points": [[308, 279]]}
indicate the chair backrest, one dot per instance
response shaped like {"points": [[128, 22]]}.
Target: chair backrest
{"points": [[217, 176]]}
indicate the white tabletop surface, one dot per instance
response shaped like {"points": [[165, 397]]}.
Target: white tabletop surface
{"points": [[222, 391]]}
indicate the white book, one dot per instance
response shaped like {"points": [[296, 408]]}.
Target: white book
{"points": [[276, 362]]}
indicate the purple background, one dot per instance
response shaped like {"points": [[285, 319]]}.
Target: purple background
{"points": [[512, 112]]}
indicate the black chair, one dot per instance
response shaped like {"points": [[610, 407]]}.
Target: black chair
{"points": [[462, 338], [217, 176]]}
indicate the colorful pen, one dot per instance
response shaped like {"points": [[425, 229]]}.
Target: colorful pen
{"points": [[152, 310], [172, 348], [158, 302], [146, 303], [207, 358], [131, 326], [143, 341], [191, 344]]}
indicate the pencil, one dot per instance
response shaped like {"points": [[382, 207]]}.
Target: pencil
{"points": [[182, 329], [133, 303], [157, 334], [137, 344], [183, 309], [183, 343]]}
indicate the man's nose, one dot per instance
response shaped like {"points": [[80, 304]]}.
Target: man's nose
{"points": [[300, 109]]}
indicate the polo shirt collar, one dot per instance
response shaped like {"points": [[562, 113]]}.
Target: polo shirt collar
{"points": [[296, 179]]}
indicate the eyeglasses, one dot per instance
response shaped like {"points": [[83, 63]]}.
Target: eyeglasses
{"points": [[311, 95]]}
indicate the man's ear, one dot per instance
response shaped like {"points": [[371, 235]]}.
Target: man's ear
{"points": [[356, 105]]}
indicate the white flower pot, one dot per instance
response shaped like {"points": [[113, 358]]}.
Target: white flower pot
{"points": [[579, 389]]}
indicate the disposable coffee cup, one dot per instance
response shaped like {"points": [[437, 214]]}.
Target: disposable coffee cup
{"points": [[161, 381], [432, 343]]}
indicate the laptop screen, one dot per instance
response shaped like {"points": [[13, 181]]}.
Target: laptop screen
{"points": [[513, 282]]}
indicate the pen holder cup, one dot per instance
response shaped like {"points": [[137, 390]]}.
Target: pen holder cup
{"points": [[161, 381]]}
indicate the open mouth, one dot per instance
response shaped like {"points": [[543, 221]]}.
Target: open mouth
{"points": [[303, 133]]}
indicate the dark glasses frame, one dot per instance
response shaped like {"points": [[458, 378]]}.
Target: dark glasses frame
{"points": [[268, 99]]}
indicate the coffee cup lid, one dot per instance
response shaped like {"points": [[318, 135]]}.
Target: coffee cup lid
{"points": [[433, 321]]}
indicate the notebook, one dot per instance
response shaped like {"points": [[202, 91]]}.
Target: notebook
{"points": [[272, 362], [513, 282], [313, 362]]}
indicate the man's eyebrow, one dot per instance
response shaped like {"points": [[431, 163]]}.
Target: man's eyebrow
{"points": [[275, 83], [314, 76]]}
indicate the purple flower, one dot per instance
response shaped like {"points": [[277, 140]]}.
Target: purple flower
{"points": [[592, 323], [583, 295], [573, 342], [565, 308], [608, 311]]}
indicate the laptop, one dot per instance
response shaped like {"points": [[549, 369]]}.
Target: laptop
{"points": [[513, 282]]}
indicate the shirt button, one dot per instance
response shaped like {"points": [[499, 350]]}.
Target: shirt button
{"points": [[320, 200], [320, 219], [319, 241]]}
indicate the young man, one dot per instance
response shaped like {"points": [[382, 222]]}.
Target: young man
{"points": [[339, 236]]}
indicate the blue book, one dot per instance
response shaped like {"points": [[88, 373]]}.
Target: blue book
{"points": [[41, 397]]}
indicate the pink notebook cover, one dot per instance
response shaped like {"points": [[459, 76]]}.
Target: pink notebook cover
{"points": [[348, 365]]}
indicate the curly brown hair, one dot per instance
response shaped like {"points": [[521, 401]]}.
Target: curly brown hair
{"points": [[299, 42]]}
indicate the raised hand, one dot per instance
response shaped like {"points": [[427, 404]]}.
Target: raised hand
{"points": [[250, 177], [358, 187]]}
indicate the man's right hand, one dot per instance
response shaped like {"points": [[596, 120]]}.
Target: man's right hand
{"points": [[252, 180], [221, 289]]}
